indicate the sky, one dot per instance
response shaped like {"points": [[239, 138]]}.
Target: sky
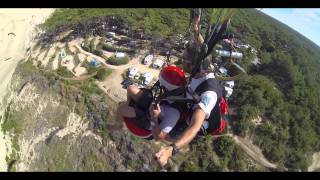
{"points": [[304, 20]]}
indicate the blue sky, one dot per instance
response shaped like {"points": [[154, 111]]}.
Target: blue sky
{"points": [[304, 20]]}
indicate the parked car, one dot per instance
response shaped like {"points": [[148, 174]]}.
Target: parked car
{"points": [[132, 72], [147, 77], [148, 59], [158, 64]]}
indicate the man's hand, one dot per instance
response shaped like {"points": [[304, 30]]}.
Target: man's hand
{"points": [[163, 155], [154, 112], [195, 23], [195, 28]]}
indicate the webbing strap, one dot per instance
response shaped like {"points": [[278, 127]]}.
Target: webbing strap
{"points": [[194, 95], [175, 92]]}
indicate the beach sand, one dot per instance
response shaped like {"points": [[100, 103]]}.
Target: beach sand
{"points": [[16, 35]]}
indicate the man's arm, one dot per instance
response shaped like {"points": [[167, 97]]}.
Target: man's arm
{"points": [[196, 122], [157, 133], [196, 31]]}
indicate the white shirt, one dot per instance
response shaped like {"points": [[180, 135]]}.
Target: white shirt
{"points": [[169, 117], [208, 98]]}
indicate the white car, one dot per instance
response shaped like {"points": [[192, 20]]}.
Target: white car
{"points": [[148, 59], [132, 72], [111, 34], [228, 87], [229, 91], [229, 84], [120, 55], [147, 78], [158, 64]]}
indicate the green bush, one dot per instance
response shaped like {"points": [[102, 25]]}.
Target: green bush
{"points": [[103, 73], [297, 160], [89, 87], [224, 146], [64, 72], [39, 63], [92, 46], [91, 69], [98, 52], [127, 50], [118, 61], [110, 48], [86, 46]]}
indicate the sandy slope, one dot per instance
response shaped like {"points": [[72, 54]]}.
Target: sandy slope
{"points": [[315, 165], [20, 23]]}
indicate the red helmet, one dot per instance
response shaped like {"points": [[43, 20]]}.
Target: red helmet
{"points": [[172, 77]]}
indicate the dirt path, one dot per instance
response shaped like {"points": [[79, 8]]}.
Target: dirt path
{"points": [[253, 151]]}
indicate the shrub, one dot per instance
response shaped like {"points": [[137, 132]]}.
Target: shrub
{"points": [[63, 71], [39, 63], [118, 61], [110, 48], [90, 69], [224, 146], [86, 45], [103, 73], [92, 46], [98, 52]]}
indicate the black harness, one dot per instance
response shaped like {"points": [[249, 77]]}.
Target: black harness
{"points": [[185, 106], [212, 84]]}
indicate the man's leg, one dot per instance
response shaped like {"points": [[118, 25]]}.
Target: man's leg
{"points": [[123, 110], [126, 110], [133, 93]]}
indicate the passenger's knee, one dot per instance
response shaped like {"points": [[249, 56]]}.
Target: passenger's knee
{"points": [[132, 89], [133, 92]]}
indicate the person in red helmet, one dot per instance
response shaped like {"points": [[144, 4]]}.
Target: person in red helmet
{"points": [[207, 111], [163, 117]]}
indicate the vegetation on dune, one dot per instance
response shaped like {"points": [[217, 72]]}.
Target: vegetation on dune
{"points": [[221, 154], [284, 90], [102, 74], [116, 49], [166, 22], [118, 61], [64, 72]]}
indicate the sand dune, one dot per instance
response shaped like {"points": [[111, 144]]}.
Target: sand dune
{"points": [[16, 35]]}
